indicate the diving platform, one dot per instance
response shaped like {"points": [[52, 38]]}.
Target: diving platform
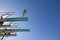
{"points": [[14, 30], [8, 35], [5, 26], [14, 19], [21, 30]]}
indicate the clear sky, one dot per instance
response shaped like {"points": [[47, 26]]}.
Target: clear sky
{"points": [[44, 18]]}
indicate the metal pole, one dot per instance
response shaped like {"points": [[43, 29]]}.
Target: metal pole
{"points": [[2, 38]]}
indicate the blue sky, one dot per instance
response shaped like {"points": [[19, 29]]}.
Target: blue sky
{"points": [[44, 18]]}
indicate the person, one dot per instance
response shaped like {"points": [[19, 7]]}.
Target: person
{"points": [[7, 33], [1, 22], [24, 12]]}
